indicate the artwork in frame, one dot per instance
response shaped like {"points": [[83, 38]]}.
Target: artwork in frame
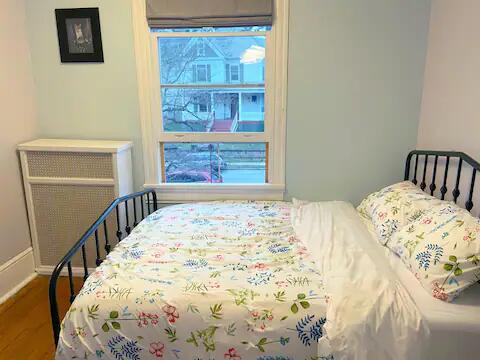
{"points": [[79, 36]]}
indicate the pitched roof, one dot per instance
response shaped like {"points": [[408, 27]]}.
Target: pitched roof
{"points": [[225, 47]]}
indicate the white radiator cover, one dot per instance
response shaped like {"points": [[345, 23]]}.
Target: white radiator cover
{"points": [[68, 183]]}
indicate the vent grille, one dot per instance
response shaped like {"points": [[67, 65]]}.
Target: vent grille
{"points": [[69, 165], [63, 213]]}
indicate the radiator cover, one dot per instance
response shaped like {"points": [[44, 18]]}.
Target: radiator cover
{"points": [[68, 183]]}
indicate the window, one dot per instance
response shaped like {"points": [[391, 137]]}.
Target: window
{"points": [[202, 107], [200, 48], [210, 106], [201, 103], [217, 112], [215, 162], [201, 73], [235, 73]]}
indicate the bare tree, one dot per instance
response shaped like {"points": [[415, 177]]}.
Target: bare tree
{"points": [[180, 106]]}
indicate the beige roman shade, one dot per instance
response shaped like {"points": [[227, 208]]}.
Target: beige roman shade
{"points": [[198, 13]]}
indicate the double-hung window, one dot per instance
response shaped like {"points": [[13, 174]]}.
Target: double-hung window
{"points": [[235, 73], [218, 117], [201, 72]]}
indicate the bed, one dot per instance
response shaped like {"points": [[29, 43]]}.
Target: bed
{"points": [[454, 327], [256, 280]]}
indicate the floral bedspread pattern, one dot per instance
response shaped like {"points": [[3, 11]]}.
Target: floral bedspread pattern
{"points": [[219, 280], [394, 206], [441, 249]]}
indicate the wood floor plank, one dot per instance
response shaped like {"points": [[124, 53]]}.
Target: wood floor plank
{"points": [[25, 326]]}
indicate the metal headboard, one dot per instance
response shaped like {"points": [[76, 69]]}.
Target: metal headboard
{"points": [[425, 155]]}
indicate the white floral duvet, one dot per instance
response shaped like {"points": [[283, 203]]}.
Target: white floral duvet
{"points": [[245, 280], [220, 280]]}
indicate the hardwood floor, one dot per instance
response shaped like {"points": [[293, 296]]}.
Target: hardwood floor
{"points": [[25, 329]]}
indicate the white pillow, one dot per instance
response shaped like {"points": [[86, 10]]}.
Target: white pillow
{"points": [[442, 249], [395, 206]]}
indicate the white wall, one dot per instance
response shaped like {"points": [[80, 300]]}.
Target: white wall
{"points": [[354, 91], [450, 116], [18, 125], [87, 101]]}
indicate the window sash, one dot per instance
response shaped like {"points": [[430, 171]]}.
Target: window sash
{"points": [[173, 136], [163, 170]]}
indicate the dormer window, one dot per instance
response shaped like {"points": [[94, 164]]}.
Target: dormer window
{"points": [[200, 47]]}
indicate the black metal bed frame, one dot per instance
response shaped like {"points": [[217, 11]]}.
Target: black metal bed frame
{"points": [[143, 204], [447, 156], [146, 209]]}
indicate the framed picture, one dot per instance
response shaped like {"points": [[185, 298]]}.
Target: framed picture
{"points": [[79, 36]]}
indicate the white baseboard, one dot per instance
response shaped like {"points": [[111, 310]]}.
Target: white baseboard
{"points": [[16, 273]]}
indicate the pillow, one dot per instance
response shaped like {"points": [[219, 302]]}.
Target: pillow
{"points": [[395, 206], [442, 249]]}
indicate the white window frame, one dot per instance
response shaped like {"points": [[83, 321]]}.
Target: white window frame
{"points": [[275, 114]]}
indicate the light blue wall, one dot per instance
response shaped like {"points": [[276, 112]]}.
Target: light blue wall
{"points": [[87, 101], [354, 90], [354, 86]]}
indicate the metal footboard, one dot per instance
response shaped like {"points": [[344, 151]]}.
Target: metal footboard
{"points": [[128, 211]]}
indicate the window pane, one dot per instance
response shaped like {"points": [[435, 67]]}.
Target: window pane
{"points": [[234, 73], [214, 162], [181, 58], [213, 110]]}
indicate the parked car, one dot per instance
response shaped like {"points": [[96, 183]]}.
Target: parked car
{"points": [[192, 177], [202, 160]]}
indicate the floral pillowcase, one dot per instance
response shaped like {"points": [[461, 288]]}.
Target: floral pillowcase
{"points": [[395, 206], [442, 249]]}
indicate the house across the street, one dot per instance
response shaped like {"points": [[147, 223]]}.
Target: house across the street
{"points": [[211, 63]]}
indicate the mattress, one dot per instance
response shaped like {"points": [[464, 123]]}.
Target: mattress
{"points": [[454, 327], [219, 280]]}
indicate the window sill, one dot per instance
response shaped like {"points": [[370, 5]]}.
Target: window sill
{"points": [[202, 192]]}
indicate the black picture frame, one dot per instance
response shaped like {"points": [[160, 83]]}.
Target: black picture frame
{"points": [[79, 35]]}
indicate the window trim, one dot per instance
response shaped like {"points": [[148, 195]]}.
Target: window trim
{"points": [[275, 108]]}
